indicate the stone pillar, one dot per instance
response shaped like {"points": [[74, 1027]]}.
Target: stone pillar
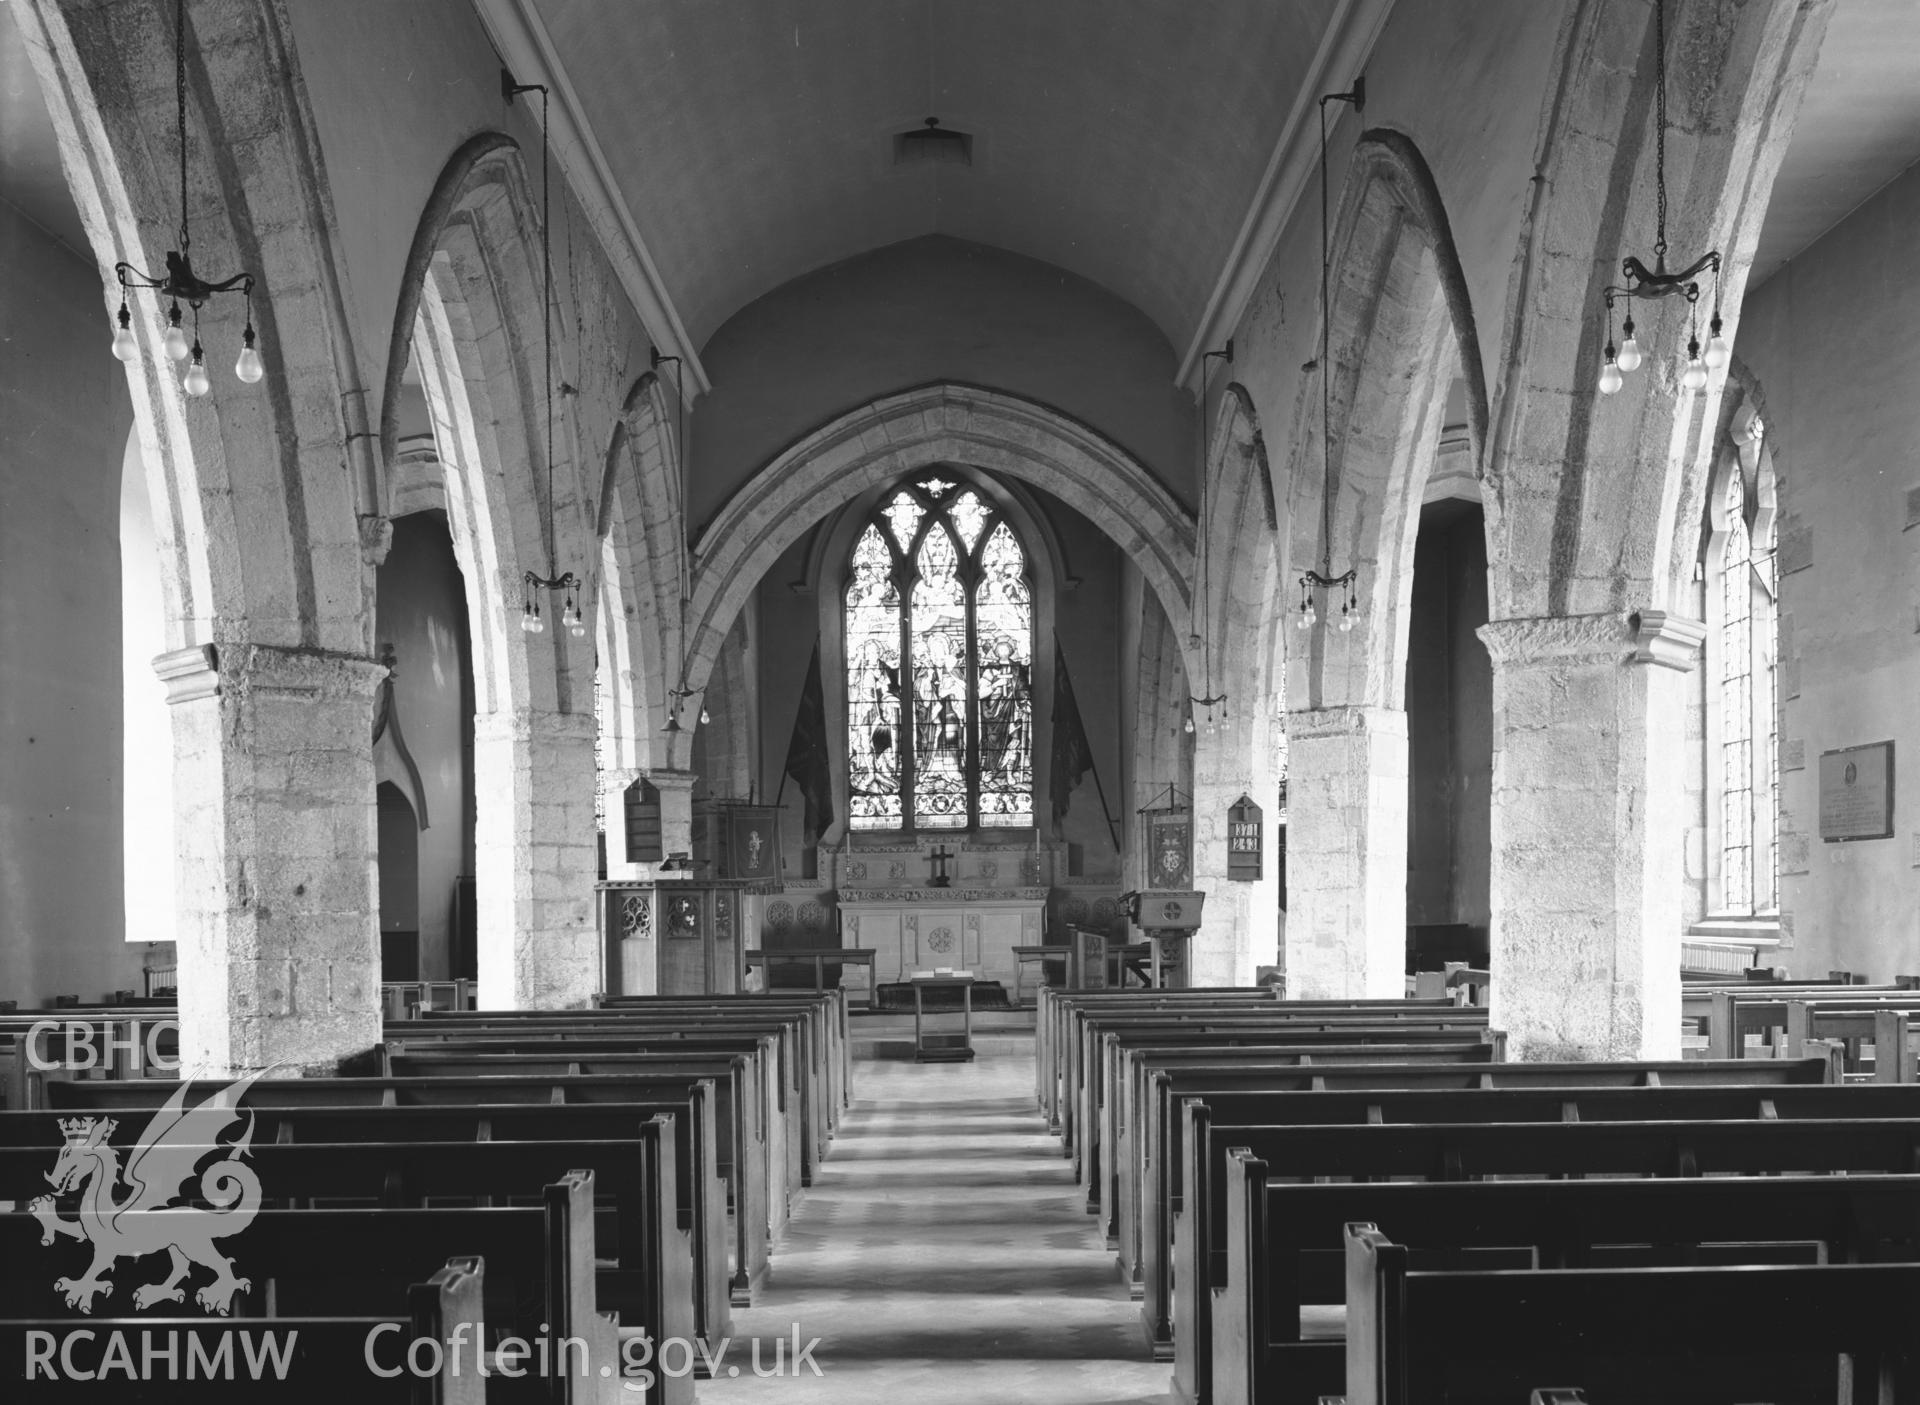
{"points": [[1241, 926], [535, 850], [277, 907], [1588, 826], [1347, 853]]}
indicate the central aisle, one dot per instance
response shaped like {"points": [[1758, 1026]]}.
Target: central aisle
{"points": [[943, 1255]]}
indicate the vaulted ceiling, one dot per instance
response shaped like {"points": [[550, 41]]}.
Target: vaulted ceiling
{"points": [[754, 142]]}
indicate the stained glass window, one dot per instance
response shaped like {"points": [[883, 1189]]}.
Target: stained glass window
{"points": [[874, 745], [1003, 632], [939, 630]]}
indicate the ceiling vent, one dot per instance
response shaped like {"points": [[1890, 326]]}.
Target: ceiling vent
{"points": [[934, 143]]}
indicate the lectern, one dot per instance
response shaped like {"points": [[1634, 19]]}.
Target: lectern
{"points": [[942, 1048], [1169, 917]]}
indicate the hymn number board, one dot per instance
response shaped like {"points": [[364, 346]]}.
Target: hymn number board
{"points": [[1243, 841]]}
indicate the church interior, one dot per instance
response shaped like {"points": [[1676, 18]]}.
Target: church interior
{"points": [[1044, 638]]}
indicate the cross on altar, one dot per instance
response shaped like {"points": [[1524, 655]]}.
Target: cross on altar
{"points": [[939, 859]]}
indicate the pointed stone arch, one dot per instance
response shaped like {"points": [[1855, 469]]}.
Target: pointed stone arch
{"points": [[473, 314], [264, 510], [945, 422], [1400, 329], [1237, 748], [1592, 511]]}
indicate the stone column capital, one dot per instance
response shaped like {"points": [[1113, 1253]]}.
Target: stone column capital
{"points": [[671, 781], [1669, 640], [1319, 723], [1556, 640], [189, 674]]}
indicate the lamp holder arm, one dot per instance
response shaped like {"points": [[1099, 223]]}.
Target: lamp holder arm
{"points": [[181, 283]]}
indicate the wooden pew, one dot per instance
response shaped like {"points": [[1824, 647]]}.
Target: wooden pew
{"points": [[276, 1358], [1462, 1035], [1849, 1022], [1276, 1340], [813, 1030], [1126, 1048], [1154, 1159], [1691, 1330], [540, 1264], [1454, 1152], [644, 1271], [758, 1172], [1084, 1076], [104, 1042], [461, 1112], [794, 1092], [1761, 1008]]}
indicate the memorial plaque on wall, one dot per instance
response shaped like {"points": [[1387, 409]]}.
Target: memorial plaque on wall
{"points": [[1856, 793]]}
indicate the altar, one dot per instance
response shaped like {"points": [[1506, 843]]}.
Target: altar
{"points": [[921, 929], [995, 901]]}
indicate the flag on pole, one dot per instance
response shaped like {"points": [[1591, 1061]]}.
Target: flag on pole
{"points": [[1072, 754], [807, 760]]}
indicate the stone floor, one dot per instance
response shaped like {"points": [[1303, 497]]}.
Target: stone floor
{"points": [[943, 1255]]}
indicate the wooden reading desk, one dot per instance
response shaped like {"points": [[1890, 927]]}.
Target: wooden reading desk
{"points": [[942, 1048]]}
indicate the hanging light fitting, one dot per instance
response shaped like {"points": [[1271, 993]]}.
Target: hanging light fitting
{"points": [[570, 617], [1324, 579], [182, 284], [1657, 282]]}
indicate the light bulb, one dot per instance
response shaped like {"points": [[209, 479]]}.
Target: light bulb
{"points": [[1629, 354], [577, 627], [1610, 379], [530, 619], [1695, 376], [1718, 352], [1346, 621], [175, 341], [196, 382], [705, 717], [1187, 726], [123, 342], [249, 367]]}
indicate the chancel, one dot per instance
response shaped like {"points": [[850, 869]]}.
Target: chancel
{"points": [[1156, 701]]}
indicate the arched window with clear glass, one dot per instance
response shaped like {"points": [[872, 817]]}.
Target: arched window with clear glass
{"points": [[1742, 734], [939, 653]]}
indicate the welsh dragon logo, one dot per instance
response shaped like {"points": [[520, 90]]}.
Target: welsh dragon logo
{"points": [[159, 1209]]}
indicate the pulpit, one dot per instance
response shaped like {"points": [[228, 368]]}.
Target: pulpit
{"points": [[675, 936]]}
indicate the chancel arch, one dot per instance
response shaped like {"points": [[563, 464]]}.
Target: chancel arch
{"points": [[898, 434]]}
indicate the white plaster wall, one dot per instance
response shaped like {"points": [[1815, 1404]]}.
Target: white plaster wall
{"points": [[1833, 340]]}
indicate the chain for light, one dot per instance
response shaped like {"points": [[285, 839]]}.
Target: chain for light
{"points": [[1660, 131], [1326, 369], [546, 311], [180, 113]]}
